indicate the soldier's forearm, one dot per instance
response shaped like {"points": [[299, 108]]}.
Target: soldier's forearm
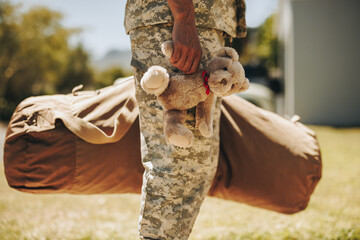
{"points": [[182, 10]]}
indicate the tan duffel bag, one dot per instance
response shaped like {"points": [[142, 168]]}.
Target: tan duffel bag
{"points": [[88, 142]]}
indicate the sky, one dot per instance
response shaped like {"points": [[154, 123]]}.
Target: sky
{"points": [[103, 21]]}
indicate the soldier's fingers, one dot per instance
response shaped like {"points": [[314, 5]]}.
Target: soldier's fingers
{"points": [[195, 65], [176, 55], [188, 63], [181, 63]]}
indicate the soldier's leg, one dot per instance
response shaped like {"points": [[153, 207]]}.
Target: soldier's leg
{"points": [[211, 41], [175, 179]]}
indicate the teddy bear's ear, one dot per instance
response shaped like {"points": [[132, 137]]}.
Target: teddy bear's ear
{"points": [[228, 52], [167, 48]]}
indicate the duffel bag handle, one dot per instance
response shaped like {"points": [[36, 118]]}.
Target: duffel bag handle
{"points": [[38, 114], [93, 134]]}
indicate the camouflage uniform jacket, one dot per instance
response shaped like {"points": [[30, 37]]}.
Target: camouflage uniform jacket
{"points": [[224, 15]]}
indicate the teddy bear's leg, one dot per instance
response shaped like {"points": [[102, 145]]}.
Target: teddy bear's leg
{"points": [[174, 129], [204, 116], [155, 80]]}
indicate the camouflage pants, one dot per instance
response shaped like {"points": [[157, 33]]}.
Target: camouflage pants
{"points": [[176, 180]]}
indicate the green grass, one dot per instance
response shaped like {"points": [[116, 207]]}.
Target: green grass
{"points": [[333, 212]]}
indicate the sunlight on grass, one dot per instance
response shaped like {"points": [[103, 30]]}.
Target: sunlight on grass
{"points": [[333, 212]]}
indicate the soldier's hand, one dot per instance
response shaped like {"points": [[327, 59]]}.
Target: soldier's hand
{"points": [[187, 50]]}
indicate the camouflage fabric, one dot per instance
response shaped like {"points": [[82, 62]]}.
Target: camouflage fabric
{"points": [[176, 180], [240, 18], [224, 15]]}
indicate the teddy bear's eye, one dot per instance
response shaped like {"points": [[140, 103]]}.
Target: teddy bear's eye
{"points": [[225, 68]]}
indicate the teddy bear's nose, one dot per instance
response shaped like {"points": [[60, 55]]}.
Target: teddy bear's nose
{"points": [[223, 81]]}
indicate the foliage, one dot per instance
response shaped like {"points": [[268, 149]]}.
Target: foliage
{"points": [[267, 43], [77, 71], [35, 56], [108, 76], [260, 46]]}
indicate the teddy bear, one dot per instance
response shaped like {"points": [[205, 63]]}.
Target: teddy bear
{"points": [[176, 93]]}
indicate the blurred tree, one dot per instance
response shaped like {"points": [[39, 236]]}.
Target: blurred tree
{"points": [[9, 43], [108, 76], [267, 43], [260, 46], [35, 56], [77, 71]]}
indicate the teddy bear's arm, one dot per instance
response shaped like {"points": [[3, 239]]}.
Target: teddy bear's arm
{"points": [[155, 80], [204, 116]]}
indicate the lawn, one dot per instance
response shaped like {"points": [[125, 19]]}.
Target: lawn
{"points": [[333, 212]]}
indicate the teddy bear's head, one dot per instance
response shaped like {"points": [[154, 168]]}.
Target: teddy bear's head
{"points": [[226, 74]]}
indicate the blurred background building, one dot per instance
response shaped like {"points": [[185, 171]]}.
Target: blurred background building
{"points": [[320, 60]]}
